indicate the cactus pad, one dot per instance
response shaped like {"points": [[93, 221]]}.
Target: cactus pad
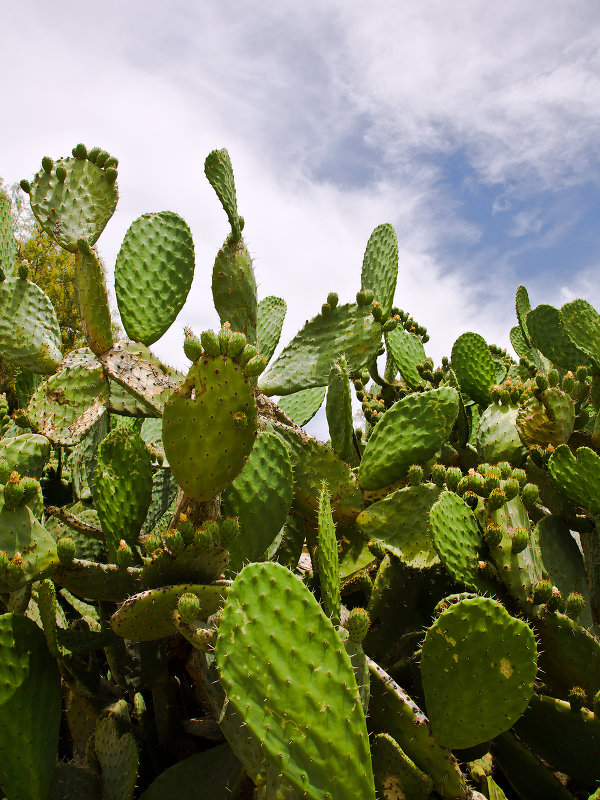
{"points": [[271, 313], [303, 405], [407, 351], [209, 426], [578, 476], [380, 266], [302, 701], [153, 274], [474, 367], [478, 665]]}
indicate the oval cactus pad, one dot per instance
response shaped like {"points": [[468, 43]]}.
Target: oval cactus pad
{"points": [[295, 689]]}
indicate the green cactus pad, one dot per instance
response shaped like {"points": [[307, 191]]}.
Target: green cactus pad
{"points": [[78, 207], [550, 339], [218, 170], [407, 351], [581, 323], [217, 771], [95, 581], [29, 332], [64, 407], [313, 463], [149, 615], [523, 307], [458, 541], [21, 533], [117, 754], [578, 476], [327, 558], [8, 243], [393, 712], [26, 453], [303, 405], [93, 301], [380, 266], [271, 313], [307, 359], [164, 492], [261, 497], [396, 775], [473, 365], [312, 728], [478, 665], [549, 421], [497, 435], [410, 432], [30, 710], [153, 274], [234, 287], [122, 487], [339, 412], [401, 522], [209, 427], [84, 458]]}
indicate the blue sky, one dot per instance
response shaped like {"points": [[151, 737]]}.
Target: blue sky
{"points": [[472, 127]]}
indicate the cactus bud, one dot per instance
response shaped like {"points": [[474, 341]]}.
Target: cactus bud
{"points": [[173, 541], [5, 470], [389, 325], [236, 344], [377, 549], [326, 309], [581, 373], [377, 311], [530, 494], [332, 299], [438, 474], [555, 599], [553, 378], [230, 529], [31, 489], [493, 534], [65, 549], [520, 475], [152, 543], [519, 540], [210, 343], [415, 475], [568, 382], [224, 336], [186, 530], [124, 555], [25, 186], [80, 151], [361, 298], [111, 175], [188, 607], [577, 698], [471, 499], [47, 164], [14, 492], [93, 154], [358, 624], [453, 476], [61, 173], [247, 354], [541, 381], [511, 488], [505, 469], [542, 592], [254, 367], [23, 270], [496, 499], [101, 158], [192, 347], [111, 161], [574, 605]]}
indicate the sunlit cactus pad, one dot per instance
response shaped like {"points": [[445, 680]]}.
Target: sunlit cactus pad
{"points": [[478, 665], [301, 699], [153, 274], [79, 205]]}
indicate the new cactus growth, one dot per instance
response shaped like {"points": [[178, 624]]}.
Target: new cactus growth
{"points": [[187, 564]]}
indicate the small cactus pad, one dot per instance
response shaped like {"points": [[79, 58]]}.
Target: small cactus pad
{"points": [[523, 307], [396, 775], [401, 522], [209, 426], [260, 497], [29, 332], [122, 487], [153, 274], [380, 266], [407, 351], [78, 206], [30, 710], [479, 666], [92, 300], [271, 313], [339, 412], [303, 405], [24, 538], [474, 367], [234, 287], [409, 432], [581, 324], [302, 701], [307, 359], [64, 407], [218, 170], [149, 615], [497, 435], [578, 476], [548, 336], [26, 453], [327, 558], [8, 243]]}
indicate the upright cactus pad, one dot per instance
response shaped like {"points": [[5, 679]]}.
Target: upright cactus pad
{"points": [[234, 288], [302, 406], [209, 426], [407, 351], [327, 558], [380, 266], [79, 205], [8, 243], [474, 367], [271, 313], [218, 170], [302, 700], [478, 665], [153, 274], [92, 299]]}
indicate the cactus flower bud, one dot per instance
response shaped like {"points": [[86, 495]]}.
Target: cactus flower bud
{"points": [[577, 698], [453, 476], [61, 173], [188, 607], [574, 605], [65, 549], [358, 624], [496, 499], [230, 529], [332, 299], [25, 186], [124, 555], [530, 494], [47, 164], [192, 347], [542, 592], [415, 475], [80, 151], [519, 540], [493, 534]]}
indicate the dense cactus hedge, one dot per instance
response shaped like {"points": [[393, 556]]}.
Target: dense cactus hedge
{"points": [[200, 600]]}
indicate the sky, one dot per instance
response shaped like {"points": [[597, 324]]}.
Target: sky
{"points": [[471, 127]]}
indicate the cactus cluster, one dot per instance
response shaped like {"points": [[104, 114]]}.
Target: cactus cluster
{"points": [[198, 598]]}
